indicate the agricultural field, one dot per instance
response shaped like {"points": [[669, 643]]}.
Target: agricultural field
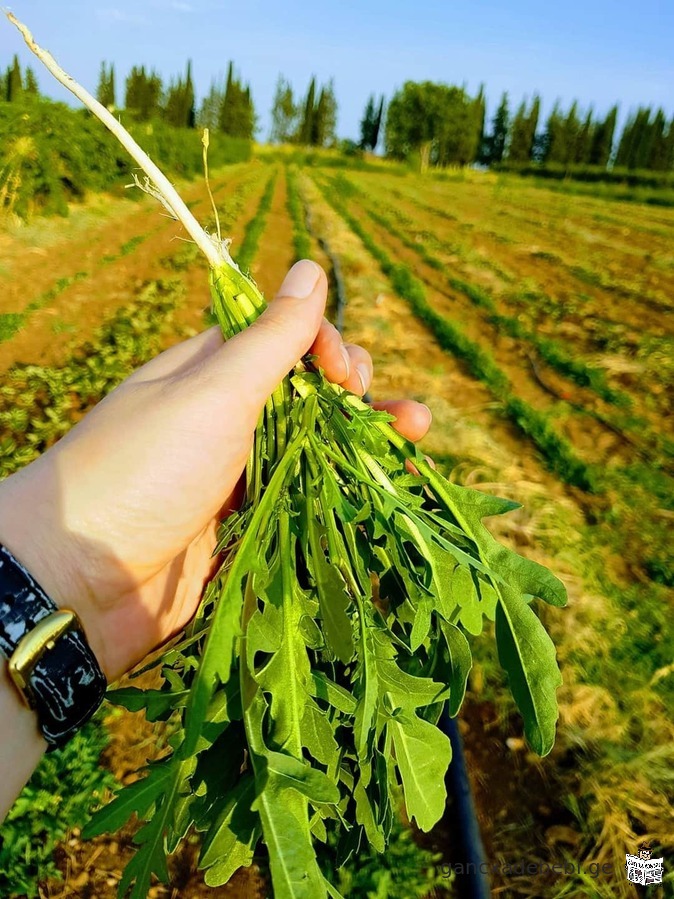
{"points": [[537, 324]]}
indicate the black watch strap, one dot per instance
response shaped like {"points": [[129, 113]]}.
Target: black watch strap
{"points": [[49, 656]]}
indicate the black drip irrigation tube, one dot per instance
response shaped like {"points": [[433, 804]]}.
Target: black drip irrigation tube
{"points": [[465, 829]]}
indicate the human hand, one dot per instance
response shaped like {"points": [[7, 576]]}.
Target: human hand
{"points": [[118, 520]]}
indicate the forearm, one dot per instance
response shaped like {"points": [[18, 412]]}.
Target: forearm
{"points": [[21, 745], [21, 532]]}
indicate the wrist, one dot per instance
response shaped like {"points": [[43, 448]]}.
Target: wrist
{"points": [[32, 529]]}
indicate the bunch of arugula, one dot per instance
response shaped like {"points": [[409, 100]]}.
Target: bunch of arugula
{"points": [[306, 692], [308, 688]]}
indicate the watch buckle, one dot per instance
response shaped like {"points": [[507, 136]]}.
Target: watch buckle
{"points": [[33, 646]]}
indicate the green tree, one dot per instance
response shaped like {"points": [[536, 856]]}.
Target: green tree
{"points": [[179, 110], [602, 139], [209, 112], [324, 120], [105, 93], [584, 140], [31, 85], [284, 113], [495, 145], [635, 141], [479, 115], [237, 115], [189, 99], [367, 124], [376, 131], [435, 121], [554, 139], [669, 142], [522, 144], [306, 129], [14, 81], [658, 159]]}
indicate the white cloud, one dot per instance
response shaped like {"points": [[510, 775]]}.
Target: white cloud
{"points": [[174, 5], [112, 15]]}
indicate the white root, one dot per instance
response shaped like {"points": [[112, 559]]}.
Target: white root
{"points": [[157, 184]]}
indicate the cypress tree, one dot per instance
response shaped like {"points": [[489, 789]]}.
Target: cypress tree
{"points": [[643, 140], [324, 118], [523, 132], [635, 143], [105, 93], [14, 81], [367, 125], [237, 115], [188, 101], [283, 113], [496, 144], [376, 130], [602, 139], [669, 144], [658, 159], [584, 141], [209, 113], [307, 123], [554, 142], [31, 85], [479, 112]]}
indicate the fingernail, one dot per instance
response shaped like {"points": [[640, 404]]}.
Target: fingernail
{"points": [[347, 360], [430, 414], [300, 280], [364, 375]]}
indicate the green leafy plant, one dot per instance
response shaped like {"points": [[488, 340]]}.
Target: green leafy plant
{"points": [[404, 871], [306, 692], [43, 813]]}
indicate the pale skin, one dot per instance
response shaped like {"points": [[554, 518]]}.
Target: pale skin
{"points": [[118, 520]]}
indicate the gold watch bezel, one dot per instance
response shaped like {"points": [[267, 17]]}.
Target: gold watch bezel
{"points": [[35, 644]]}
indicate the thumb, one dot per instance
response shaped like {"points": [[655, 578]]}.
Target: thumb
{"points": [[265, 352]]}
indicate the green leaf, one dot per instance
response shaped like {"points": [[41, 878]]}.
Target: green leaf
{"points": [[423, 754], [527, 654], [231, 839], [291, 773], [139, 797], [334, 600], [158, 704], [460, 663]]}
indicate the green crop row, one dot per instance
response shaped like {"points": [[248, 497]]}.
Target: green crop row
{"points": [[256, 226], [556, 450], [38, 404], [549, 350], [11, 322], [301, 236]]}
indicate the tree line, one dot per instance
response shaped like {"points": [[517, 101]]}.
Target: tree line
{"points": [[438, 124], [309, 120], [443, 125]]}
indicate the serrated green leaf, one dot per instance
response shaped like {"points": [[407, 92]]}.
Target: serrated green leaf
{"points": [[138, 798]]}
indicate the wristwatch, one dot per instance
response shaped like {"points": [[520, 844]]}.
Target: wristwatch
{"points": [[49, 658]]}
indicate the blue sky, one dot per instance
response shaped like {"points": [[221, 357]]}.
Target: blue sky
{"points": [[594, 50]]}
